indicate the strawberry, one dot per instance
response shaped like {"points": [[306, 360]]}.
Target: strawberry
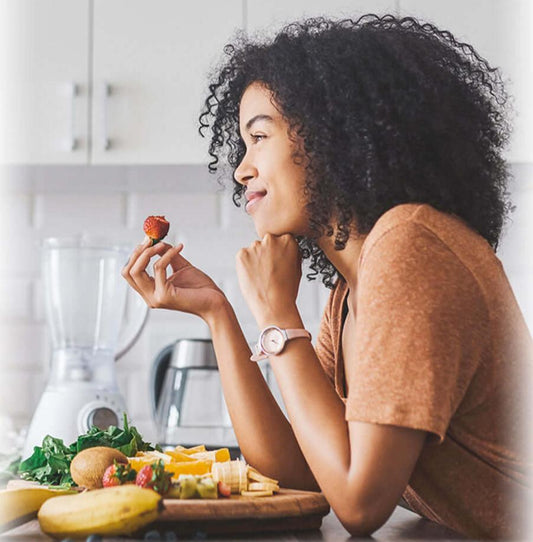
{"points": [[118, 474], [110, 477], [224, 490], [156, 227], [154, 477], [144, 476]]}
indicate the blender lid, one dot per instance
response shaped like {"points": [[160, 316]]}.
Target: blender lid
{"points": [[193, 354]]}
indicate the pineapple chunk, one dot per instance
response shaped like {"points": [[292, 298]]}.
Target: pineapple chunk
{"points": [[179, 457], [193, 450], [220, 455]]}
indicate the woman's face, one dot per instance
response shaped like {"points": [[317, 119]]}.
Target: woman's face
{"points": [[274, 184]]}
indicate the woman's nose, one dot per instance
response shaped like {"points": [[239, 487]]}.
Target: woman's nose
{"points": [[244, 172]]}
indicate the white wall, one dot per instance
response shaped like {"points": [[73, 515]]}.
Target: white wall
{"points": [[43, 201], [59, 200]]}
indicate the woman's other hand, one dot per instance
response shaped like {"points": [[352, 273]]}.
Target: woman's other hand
{"points": [[269, 273], [187, 289]]}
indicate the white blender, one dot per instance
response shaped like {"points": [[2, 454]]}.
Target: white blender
{"points": [[93, 321]]}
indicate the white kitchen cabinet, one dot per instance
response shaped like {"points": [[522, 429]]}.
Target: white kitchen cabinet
{"points": [[270, 16], [57, 58], [500, 30], [44, 81], [154, 57]]}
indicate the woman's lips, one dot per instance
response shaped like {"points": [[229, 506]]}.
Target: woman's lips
{"points": [[253, 198]]}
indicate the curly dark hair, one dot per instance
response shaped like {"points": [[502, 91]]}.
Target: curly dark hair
{"points": [[388, 110]]}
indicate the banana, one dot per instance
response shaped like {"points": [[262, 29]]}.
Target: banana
{"points": [[263, 486], [256, 476], [232, 473], [110, 511], [17, 506], [256, 493]]}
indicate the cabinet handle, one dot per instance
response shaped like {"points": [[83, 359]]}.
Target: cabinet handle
{"points": [[106, 93], [72, 93]]}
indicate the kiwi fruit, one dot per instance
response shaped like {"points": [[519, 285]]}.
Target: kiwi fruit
{"points": [[88, 466]]}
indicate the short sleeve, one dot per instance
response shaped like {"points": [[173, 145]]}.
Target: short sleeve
{"points": [[324, 342], [421, 330]]}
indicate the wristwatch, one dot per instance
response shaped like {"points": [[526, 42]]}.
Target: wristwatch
{"points": [[272, 341]]}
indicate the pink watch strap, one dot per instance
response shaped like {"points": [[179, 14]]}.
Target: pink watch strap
{"points": [[290, 334], [296, 333]]}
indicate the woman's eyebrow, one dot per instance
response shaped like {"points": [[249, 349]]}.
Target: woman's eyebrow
{"points": [[256, 118]]}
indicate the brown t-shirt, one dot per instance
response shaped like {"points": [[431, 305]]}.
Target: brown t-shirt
{"points": [[440, 345]]}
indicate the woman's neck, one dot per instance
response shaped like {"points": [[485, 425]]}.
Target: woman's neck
{"points": [[344, 261]]}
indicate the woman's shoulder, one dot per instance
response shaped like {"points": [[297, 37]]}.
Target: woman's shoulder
{"points": [[412, 227]]}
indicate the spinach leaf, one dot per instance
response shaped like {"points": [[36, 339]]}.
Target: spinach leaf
{"points": [[50, 463]]}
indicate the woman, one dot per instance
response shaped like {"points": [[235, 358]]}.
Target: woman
{"points": [[374, 148]]}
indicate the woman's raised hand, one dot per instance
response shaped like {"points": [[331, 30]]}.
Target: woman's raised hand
{"points": [[187, 289], [269, 273]]}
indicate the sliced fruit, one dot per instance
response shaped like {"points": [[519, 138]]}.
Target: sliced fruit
{"points": [[193, 450], [192, 467], [232, 473], [256, 476], [220, 455], [188, 487], [262, 486], [175, 468], [256, 493], [178, 457], [154, 455], [207, 488]]}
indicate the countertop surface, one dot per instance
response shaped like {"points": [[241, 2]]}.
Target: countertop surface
{"points": [[402, 525]]}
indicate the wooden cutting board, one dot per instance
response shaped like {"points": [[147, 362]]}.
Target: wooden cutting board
{"points": [[288, 510]]}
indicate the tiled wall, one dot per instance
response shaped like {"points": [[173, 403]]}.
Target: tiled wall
{"points": [[46, 201], [42, 201]]}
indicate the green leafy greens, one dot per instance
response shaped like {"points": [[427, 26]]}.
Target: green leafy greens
{"points": [[50, 463]]}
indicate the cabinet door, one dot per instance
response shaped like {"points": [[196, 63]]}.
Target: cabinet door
{"points": [[500, 31], [153, 58], [270, 16], [43, 81]]}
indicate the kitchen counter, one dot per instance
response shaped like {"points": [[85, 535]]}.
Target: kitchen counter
{"points": [[402, 525]]}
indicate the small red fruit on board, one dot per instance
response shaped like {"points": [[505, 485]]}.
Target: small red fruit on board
{"points": [[118, 474], [224, 490], [156, 227], [110, 477], [154, 477]]}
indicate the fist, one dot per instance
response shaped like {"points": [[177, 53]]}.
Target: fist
{"points": [[269, 273]]}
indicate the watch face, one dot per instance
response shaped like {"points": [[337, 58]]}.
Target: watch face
{"points": [[272, 341]]}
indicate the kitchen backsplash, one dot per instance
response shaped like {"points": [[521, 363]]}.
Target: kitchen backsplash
{"points": [[39, 201]]}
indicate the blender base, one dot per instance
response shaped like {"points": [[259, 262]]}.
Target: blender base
{"points": [[69, 412]]}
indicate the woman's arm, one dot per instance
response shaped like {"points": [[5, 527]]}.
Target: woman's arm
{"points": [[362, 468], [265, 436]]}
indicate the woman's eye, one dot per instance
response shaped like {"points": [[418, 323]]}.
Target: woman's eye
{"points": [[257, 137]]}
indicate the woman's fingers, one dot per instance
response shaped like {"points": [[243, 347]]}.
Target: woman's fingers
{"points": [[133, 258], [137, 271], [160, 267], [131, 262]]}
